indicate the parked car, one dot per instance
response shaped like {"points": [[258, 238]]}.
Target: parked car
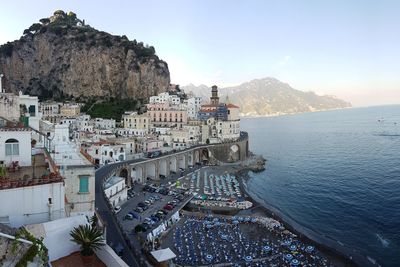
{"points": [[163, 211], [117, 209], [168, 207], [138, 209], [128, 217]]}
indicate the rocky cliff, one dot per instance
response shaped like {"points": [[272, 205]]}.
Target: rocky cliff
{"points": [[62, 57], [269, 96]]}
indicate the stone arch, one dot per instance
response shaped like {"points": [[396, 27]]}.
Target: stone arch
{"points": [[190, 160], [151, 170], [137, 173], [172, 164], [205, 155], [164, 167], [196, 156], [234, 153], [182, 161], [125, 174]]}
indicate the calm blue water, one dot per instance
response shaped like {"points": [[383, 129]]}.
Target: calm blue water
{"points": [[336, 173]]}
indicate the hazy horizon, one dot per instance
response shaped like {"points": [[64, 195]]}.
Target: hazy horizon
{"points": [[346, 49]]}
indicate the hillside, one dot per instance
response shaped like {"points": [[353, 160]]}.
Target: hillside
{"points": [[62, 57], [269, 96]]}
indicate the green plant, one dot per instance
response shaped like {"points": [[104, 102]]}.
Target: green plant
{"points": [[36, 249], [3, 171], [89, 238]]}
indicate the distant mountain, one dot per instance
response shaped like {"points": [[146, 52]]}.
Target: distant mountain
{"points": [[269, 96]]}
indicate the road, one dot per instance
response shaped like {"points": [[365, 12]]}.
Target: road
{"points": [[114, 234]]}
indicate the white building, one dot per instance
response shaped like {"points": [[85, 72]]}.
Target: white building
{"points": [[31, 190], [15, 146], [193, 106], [228, 130], [194, 134], [100, 123], [49, 108], [78, 171], [165, 98], [127, 132], [31, 103], [116, 190], [180, 138]]}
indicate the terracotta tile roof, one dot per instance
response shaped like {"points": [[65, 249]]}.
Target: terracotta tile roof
{"points": [[75, 260], [231, 106]]}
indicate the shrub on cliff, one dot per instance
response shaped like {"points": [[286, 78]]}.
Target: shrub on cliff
{"points": [[6, 49]]}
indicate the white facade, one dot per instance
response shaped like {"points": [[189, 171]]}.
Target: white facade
{"points": [[127, 132], [194, 132], [112, 153], [180, 138], [116, 190], [100, 123], [78, 172], [193, 106], [165, 98], [15, 145], [49, 108], [32, 204], [228, 130]]}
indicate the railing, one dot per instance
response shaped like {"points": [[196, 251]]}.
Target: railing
{"points": [[87, 156], [7, 183]]}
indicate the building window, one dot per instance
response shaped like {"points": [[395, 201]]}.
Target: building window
{"points": [[12, 147], [84, 184]]}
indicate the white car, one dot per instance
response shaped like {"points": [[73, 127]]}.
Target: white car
{"points": [[117, 209]]}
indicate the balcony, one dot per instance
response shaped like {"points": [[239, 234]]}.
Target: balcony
{"points": [[42, 171]]}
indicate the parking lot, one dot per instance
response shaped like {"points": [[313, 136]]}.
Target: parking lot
{"points": [[148, 217]]}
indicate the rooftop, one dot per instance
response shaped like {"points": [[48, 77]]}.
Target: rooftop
{"points": [[75, 260], [42, 171], [112, 181], [70, 155]]}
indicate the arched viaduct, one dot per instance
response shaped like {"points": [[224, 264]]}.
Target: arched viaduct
{"points": [[142, 169]]}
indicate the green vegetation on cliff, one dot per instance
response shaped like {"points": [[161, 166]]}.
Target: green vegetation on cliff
{"points": [[111, 109]]}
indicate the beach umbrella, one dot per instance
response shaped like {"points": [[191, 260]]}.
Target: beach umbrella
{"points": [[309, 249], [235, 222], [294, 262], [289, 256], [253, 220], [248, 258], [267, 248], [209, 257], [293, 247]]}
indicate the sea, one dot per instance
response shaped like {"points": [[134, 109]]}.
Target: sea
{"points": [[334, 175]]}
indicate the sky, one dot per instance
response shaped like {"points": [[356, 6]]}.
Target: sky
{"points": [[350, 49]]}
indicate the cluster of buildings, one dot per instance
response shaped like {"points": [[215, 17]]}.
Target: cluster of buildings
{"points": [[49, 151]]}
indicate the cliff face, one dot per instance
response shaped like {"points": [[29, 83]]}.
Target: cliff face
{"points": [[63, 57]]}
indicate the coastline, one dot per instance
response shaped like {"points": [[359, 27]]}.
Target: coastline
{"points": [[291, 114], [325, 244]]}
